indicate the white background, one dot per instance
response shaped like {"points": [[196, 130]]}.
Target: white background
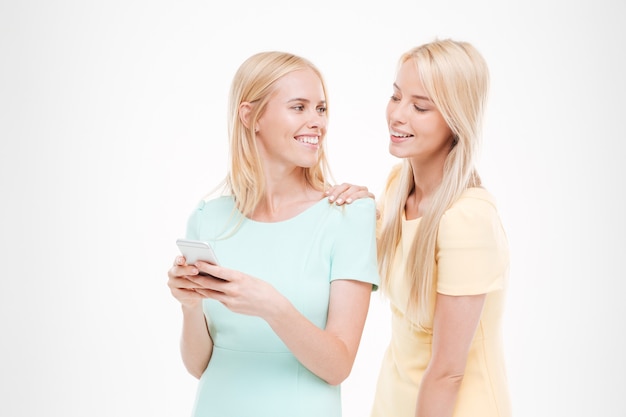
{"points": [[112, 126]]}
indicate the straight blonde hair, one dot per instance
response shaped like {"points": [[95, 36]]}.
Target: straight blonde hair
{"points": [[456, 78], [254, 82]]}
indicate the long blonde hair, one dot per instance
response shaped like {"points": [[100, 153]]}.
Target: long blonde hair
{"points": [[456, 78], [254, 82]]}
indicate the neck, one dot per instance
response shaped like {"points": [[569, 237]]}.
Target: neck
{"points": [[286, 195], [426, 180]]}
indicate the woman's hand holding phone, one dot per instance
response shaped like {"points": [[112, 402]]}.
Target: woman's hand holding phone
{"points": [[196, 275], [237, 291], [181, 287]]}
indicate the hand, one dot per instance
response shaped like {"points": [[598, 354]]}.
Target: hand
{"points": [[180, 285], [237, 291], [347, 193]]}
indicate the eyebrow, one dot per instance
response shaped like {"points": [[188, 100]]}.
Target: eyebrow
{"points": [[304, 100], [415, 96]]}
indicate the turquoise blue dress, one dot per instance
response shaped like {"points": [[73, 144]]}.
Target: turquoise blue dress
{"points": [[251, 372]]}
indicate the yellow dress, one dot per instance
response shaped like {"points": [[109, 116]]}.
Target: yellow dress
{"points": [[472, 258]]}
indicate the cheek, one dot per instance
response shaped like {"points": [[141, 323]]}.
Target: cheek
{"points": [[446, 132], [437, 128], [324, 124]]}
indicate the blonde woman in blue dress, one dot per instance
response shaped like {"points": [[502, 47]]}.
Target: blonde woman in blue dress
{"points": [[275, 329]]}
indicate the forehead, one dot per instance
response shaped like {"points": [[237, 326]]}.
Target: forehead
{"points": [[408, 80], [303, 83]]}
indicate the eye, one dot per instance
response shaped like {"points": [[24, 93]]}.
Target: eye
{"points": [[419, 109], [298, 107], [321, 109], [394, 98]]}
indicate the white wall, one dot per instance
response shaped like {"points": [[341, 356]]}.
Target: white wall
{"points": [[112, 126]]}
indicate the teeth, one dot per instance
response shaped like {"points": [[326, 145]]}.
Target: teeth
{"points": [[313, 140], [400, 135]]}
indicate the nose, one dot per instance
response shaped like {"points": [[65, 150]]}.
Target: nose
{"points": [[317, 119], [396, 112]]}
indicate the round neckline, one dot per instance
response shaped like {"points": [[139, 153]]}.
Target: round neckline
{"points": [[471, 192], [409, 220], [293, 218]]}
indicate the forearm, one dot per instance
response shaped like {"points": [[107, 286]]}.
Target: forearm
{"points": [[454, 325], [329, 353], [320, 351], [196, 345], [437, 395]]}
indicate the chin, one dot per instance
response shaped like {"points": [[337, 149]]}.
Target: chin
{"points": [[307, 164], [394, 151]]}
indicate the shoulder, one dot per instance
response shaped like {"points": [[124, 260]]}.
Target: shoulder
{"points": [[347, 220], [363, 208], [361, 205], [393, 179], [475, 199], [209, 216], [390, 190], [473, 215], [216, 205], [472, 248]]}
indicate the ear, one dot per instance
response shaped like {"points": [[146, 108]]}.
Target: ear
{"points": [[245, 113]]}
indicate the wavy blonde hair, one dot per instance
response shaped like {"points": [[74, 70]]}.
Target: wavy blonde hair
{"points": [[254, 82], [456, 78]]}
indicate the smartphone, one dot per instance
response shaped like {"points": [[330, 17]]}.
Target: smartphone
{"points": [[196, 250]]}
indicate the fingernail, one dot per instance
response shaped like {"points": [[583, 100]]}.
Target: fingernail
{"points": [[339, 201], [194, 271], [348, 200], [331, 198]]}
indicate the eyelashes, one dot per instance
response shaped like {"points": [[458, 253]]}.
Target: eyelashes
{"points": [[396, 99]]}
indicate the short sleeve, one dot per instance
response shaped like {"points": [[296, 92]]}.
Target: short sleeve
{"points": [[193, 222], [354, 250], [472, 249]]}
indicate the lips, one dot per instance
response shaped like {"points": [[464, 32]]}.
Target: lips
{"points": [[310, 140], [398, 137]]}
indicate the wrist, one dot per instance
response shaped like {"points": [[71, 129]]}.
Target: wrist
{"points": [[278, 311], [192, 308]]}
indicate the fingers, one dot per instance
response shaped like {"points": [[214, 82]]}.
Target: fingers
{"points": [[209, 274], [340, 194], [181, 269], [183, 283], [347, 193], [179, 260], [179, 273], [183, 289]]}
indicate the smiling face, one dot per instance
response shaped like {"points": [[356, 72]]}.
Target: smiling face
{"points": [[417, 129], [293, 125]]}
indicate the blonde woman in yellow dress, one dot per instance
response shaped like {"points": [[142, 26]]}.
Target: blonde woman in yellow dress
{"points": [[442, 251]]}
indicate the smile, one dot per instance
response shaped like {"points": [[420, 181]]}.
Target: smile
{"points": [[311, 140], [399, 135]]}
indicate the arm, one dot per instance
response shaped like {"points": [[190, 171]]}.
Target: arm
{"points": [[328, 352], [455, 321], [472, 259], [332, 354], [196, 345]]}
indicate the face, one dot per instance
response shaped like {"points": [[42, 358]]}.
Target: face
{"points": [[293, 125], [417, 129]]}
